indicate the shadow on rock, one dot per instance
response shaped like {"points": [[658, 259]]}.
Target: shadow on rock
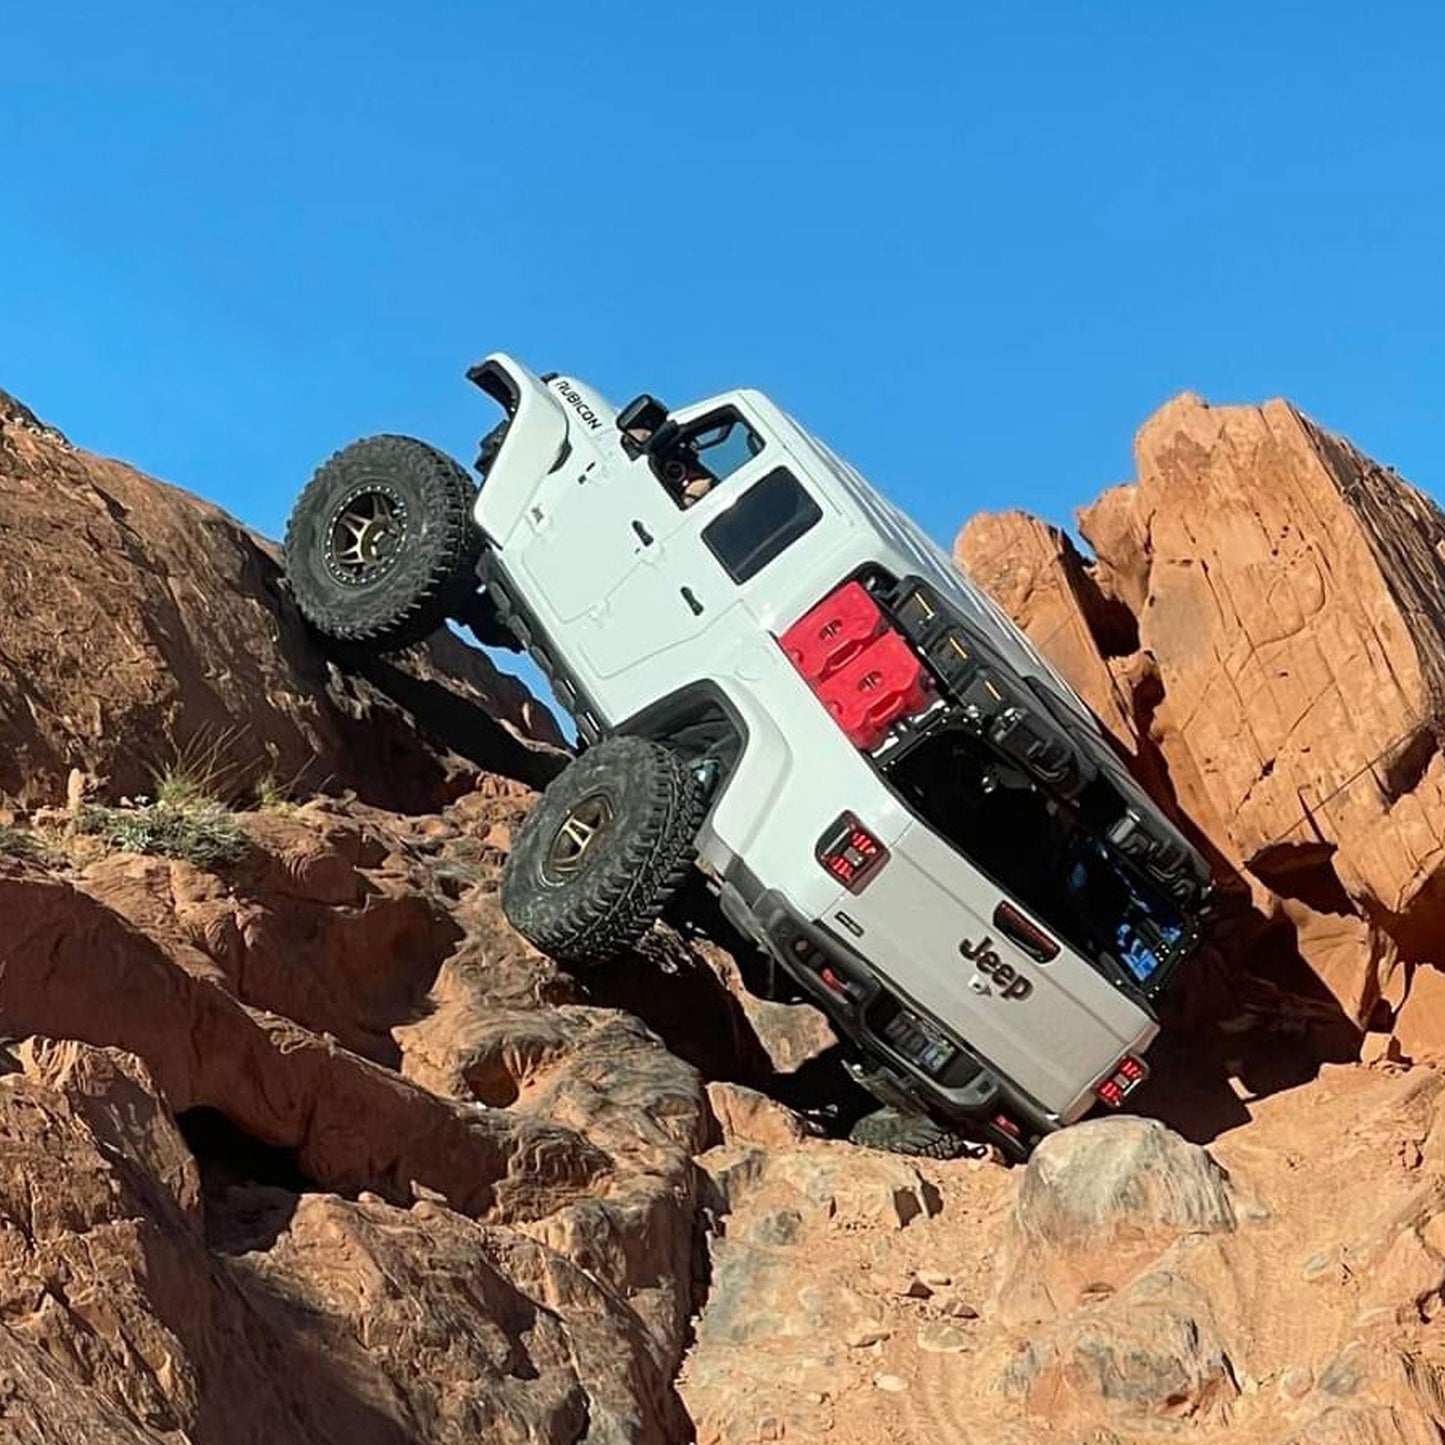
{"points": [[460, 725], [249, 1189], [671, 988]]}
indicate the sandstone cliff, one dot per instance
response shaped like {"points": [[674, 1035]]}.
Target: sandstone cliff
{"points": [[1260, 626]]}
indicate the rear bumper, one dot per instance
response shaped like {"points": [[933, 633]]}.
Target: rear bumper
{"points": [[967, 1092]]}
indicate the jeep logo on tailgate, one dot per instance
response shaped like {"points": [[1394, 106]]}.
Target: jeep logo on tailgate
{"points": [[1011, 983]]}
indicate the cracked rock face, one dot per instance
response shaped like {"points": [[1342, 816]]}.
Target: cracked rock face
{"points": [[1263, 628]]}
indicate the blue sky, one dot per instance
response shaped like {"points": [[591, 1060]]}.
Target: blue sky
{"points": [[972, 245]]}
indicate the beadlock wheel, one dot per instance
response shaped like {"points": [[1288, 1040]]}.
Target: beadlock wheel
{"points": [[607, 846], [365, 535], [381, 548]]}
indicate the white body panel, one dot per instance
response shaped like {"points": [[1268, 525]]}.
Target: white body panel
{"points": [[621, 581]]}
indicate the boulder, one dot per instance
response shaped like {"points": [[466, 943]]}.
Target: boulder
{"points": [[1152, 1351], [1295, 596], [1097, 1203], [1036, 575], [746, 1116]]}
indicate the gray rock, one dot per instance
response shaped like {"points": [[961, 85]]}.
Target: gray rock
{"points": [[942, 1339], [1152, 1351], [1345, 1373], [1089, 1182], [778, 1229]]}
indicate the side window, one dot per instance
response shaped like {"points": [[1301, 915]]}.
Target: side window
{"points": [[706, 453], [723, 444], [766, 520]]}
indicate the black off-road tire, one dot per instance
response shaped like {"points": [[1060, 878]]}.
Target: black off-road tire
{"points": [[586, 909], [916, 1135], [431, 569]]}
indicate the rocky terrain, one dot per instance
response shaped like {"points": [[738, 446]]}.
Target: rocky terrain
{"points": [[303, 1144]]}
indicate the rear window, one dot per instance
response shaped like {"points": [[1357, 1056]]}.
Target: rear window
{"points": [[766, 520]]}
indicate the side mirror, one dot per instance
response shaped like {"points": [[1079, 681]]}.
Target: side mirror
{"points": [[663, 439], [643, 413]]}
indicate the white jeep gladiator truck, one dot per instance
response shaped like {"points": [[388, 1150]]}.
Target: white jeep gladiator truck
{"points": [[778, 678]]}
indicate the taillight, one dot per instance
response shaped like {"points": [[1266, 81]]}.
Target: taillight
{"points": [[851, 853], [1127, 1076], [859, 668]]}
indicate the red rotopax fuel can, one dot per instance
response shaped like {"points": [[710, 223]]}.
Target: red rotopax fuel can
{"points": [[833, 633], [881, 684], [862, 671]]}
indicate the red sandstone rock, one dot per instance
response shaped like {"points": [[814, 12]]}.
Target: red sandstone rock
{"points": [[143, 624], [1420, 1027], [1288, 596], [1037, 576]]}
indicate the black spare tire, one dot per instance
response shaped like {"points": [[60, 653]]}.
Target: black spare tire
{"points": [[897, 1132], [381, 547], [604, 850]]}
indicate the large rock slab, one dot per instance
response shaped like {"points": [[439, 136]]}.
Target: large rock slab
{"points": [[1034, 572], [1295, 602], [143, 624]]}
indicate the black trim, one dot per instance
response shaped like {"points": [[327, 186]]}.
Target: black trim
{"points": [[493, 379], [689, 701], [670, 717], [590, 719], [643, 413], [970, 1092]]}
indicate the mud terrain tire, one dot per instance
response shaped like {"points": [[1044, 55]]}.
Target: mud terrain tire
{"points": [[604, 850], [914, 1134], [381, 547]]}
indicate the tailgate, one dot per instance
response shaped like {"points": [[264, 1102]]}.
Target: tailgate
{"points": [[1053, 1028]]}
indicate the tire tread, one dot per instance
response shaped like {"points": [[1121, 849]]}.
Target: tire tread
{"points": [[620, 901], [426, 582], [915, 1135]]}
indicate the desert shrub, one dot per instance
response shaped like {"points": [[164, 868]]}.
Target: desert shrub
{"points": [[203, 833], [22, 843], [200, 772]]}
